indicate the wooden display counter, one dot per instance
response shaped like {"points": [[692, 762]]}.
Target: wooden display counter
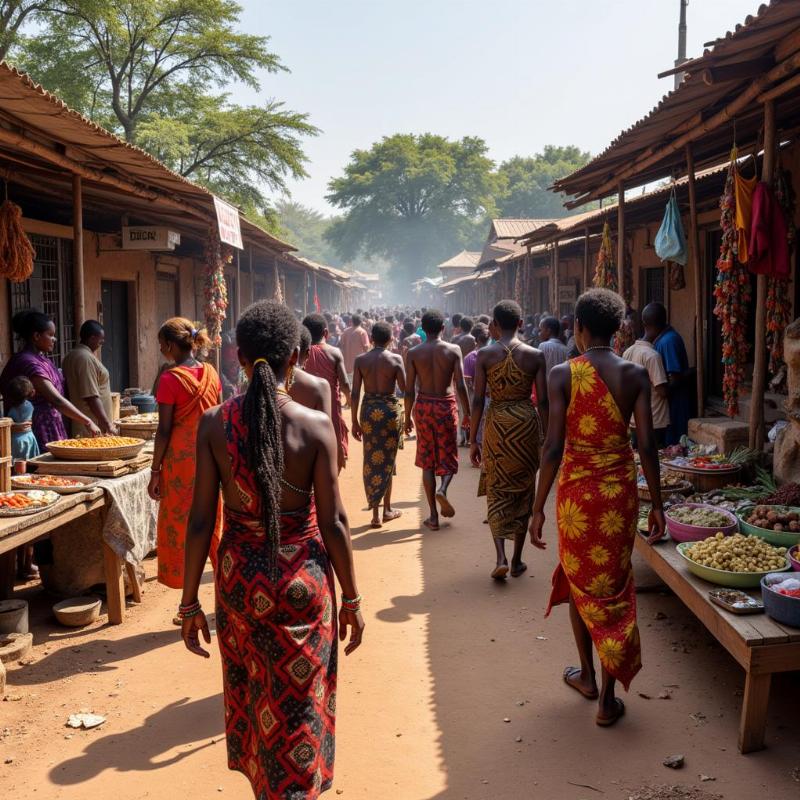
{"points": [[760, 645], [18, 531]]}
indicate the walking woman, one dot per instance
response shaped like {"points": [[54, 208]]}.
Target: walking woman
{"points": [[37, 333], [592, 398], [285, 526], [185, 392]]}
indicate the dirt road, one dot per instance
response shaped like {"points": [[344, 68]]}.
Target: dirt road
{"points": [[456, 692]]}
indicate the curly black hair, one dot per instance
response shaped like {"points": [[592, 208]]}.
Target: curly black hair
{"points": [[305, 339], [381, 333], [432, 322], [316, 324], [267, 330], [28, 322], [507, 315], [601, 312]]}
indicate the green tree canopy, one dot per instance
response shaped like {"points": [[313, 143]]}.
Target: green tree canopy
{"points": [[305, 228], [414, 200], [13, 16], [525, 183]]}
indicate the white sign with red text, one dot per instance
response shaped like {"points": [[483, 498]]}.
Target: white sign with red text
{"points": [[230, 231]]}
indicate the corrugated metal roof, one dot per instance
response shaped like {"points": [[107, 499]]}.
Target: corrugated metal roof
{"points": [[95, 148], [762, 37], [466, 258]]}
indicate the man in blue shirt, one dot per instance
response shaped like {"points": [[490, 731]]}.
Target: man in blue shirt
{"points": [[669, 345]]}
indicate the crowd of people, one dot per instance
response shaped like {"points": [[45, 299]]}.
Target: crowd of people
{"points": [[246, 465]]}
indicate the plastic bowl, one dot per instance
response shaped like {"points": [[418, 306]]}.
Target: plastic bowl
{"points": [[780, 607], [681, 532], [778, 538], [77, 611], [794, 557], [724, 577]]}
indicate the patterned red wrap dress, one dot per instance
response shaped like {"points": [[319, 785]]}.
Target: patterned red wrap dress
{"points": [[597, 508], [277, 640]]}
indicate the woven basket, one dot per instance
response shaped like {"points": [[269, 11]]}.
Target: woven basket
{"points": [[25, 512], [95, 453], [85, 484], [685, 487]]}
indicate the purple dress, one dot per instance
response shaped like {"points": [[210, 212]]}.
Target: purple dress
{"points": [[48, 424]]}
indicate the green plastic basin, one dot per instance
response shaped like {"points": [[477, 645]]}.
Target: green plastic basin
{"points": [[723, 577], [778, 538]]}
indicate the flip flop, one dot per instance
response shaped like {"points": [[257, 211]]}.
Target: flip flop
{"points": [[571, 672], [376, 524], [499, 572], [394, 514], [431, 526], [445, 506], [521, 568], [607, 722]]}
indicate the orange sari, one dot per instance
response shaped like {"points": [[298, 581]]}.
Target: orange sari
{"points": [[177, 473], [597, 508]]}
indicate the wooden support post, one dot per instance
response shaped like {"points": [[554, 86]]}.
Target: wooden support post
{"points": [[696, 268], [556, 254], [753, 720], [238, 306], [252, 277], [78, 287], [115, 585], [587, 276], [759, 385], [621, 239]]}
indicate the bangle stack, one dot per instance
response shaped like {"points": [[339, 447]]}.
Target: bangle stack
{"points": [[353, 605], [189, 610]]}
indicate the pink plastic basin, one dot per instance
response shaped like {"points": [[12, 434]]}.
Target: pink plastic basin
{"points": [[681, 532], [794, 557]]}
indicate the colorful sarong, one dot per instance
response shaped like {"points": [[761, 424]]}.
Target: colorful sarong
{"points": [[177, 474], [277, 641], [381, 425], [597, 507], [318, 363], [436, 422], [511, 441]]}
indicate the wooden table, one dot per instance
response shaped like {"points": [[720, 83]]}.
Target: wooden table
{"points": [[760, 645], [18, 531]]}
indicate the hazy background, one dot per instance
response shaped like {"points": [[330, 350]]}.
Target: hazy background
{"points": [[519, 73]]}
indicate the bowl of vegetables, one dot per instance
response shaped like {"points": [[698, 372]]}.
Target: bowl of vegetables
{"points": [[781, 596], [692, 522], [779, 525], [794, 557], [736, 561]]}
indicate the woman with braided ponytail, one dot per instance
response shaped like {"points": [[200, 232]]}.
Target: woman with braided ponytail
{"points": [[285, 533]]}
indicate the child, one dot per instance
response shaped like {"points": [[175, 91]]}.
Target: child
{"points": [[23, 443]]}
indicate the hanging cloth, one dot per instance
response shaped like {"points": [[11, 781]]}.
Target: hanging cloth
{"points": [[743, 188], [769, 251], [670, 243]]}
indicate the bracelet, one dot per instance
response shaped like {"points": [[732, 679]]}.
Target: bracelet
{"points": [[191, 610], [155, 471], [353, 604]]}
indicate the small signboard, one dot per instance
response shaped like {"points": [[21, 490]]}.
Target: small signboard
{"points": [[149, 237], [567, 293], [230, 232]]}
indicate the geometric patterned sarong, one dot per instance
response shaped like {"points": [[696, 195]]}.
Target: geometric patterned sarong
{"points": [[436, 423], [380, 420]]}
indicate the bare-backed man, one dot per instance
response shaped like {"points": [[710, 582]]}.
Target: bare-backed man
{"points": [[379, 425], [434, 367], [307, 389]]}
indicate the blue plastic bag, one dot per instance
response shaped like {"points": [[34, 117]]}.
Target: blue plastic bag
{"points": [[670, 244]]}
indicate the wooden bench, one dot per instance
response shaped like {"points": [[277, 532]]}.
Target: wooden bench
{"points": [[18, 531], [760, 645]]}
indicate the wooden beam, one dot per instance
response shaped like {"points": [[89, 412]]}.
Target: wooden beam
{"points": [[78, 280], [780, 90], [586, 272], [696, 267], [759, 385], [556, 265], [751, 93], [736, 72], [621, 239]]}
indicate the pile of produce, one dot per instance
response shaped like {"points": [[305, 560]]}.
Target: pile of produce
{"points": [[18, 501], [737, 553], [99, 442], [774, 519], [141, 419], [16, 250], [47, 480], [786, 495], [699, 517], [605, 273]]}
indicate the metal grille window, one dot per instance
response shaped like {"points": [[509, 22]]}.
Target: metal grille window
{"points": [[654, 285], [49, 289]]}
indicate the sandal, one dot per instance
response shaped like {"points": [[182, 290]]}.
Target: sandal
{"points": [[570, 673], [607, 722]]}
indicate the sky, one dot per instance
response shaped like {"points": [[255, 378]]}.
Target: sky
{"points": [[520, 74]]}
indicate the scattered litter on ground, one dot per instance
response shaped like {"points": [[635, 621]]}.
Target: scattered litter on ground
{"points": [[673, 762], [85, 721], [672, 793]]}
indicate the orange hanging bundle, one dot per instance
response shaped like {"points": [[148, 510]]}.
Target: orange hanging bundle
{"points": [[16, 250]]}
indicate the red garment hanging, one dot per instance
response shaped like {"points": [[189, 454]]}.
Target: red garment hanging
{"points": [[769, 249]]}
